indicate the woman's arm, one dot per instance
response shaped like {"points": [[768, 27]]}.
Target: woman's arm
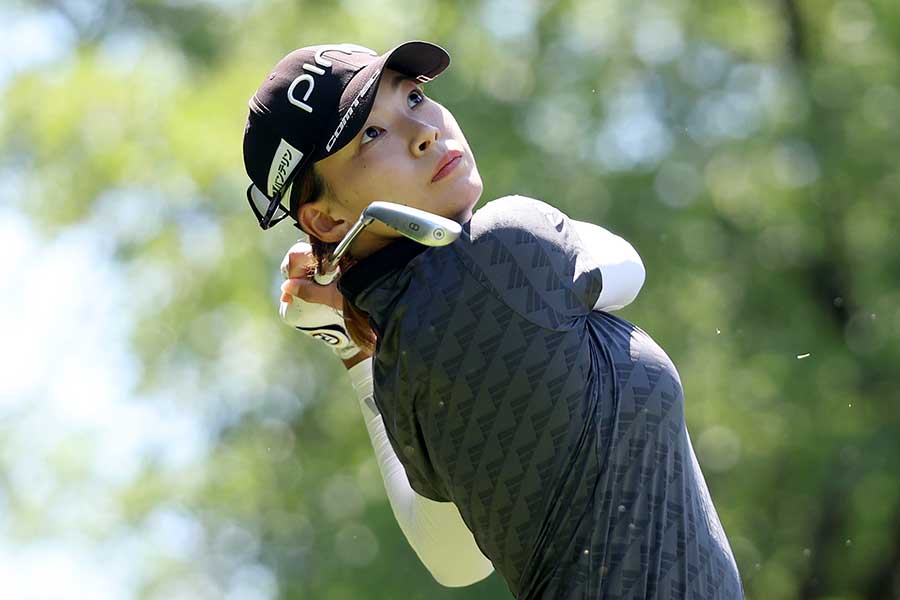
{"points": [[620, 265], [435, 530]]}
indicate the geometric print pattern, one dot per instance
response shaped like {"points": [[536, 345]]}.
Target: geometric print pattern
{"points": [[558, 431]]}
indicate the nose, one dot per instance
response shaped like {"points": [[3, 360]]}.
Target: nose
{"points": [[424, 135]]}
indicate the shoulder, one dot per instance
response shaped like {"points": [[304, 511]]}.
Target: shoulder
{"points": [[515, 213], [519, 229], [512, 209], [525, 252]]}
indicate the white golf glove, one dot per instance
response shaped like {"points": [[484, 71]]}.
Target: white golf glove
{"points": [[320, 321]]}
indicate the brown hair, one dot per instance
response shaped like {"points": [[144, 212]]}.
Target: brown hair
{"points": [[310, 186]]}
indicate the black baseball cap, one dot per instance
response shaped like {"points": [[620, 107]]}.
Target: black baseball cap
{"points": [[312, 104]]}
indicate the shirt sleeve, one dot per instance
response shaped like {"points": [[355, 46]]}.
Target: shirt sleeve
{"points": [[621, 265], [531, 255]]}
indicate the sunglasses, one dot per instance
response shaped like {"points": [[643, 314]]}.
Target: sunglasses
{"points": [[269, 211]]}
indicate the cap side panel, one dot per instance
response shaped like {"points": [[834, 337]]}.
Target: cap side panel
{"points": [[283, 164]]}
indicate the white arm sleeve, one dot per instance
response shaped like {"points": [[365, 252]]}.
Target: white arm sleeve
{"points": [[620, 265], [435, 530]]}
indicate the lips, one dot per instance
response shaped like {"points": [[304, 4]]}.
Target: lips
{"points": [[448, 162]]}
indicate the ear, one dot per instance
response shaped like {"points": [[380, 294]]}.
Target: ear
{"points": [[317, 222]]}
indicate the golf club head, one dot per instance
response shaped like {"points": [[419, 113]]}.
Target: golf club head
{"points": [[418, 225]]}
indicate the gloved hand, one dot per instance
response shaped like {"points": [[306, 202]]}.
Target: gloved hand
{"points": [[310, 307]]}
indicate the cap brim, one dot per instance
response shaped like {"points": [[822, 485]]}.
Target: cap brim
{"points": [[421, 60]]}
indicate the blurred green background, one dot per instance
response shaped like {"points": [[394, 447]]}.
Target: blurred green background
{"points": [[164, 436]]}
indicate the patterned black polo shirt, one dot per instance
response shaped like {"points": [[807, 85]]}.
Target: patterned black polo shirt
{"points": [[557, 430]]}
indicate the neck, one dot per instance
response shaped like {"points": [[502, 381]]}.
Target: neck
{"points": [[367, 243]]}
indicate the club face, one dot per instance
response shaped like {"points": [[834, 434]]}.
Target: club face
{"points": [[420, 226]]}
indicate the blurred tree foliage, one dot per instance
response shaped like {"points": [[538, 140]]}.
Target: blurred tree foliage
{"points": [[747, 149]]}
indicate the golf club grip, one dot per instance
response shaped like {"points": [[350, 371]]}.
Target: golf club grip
{"points": [[325, 278]]}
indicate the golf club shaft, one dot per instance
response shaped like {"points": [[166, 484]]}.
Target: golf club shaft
{"points": [[329, 270]]}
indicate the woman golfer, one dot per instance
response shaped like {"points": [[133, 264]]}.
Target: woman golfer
{"points": [[518, 425]]}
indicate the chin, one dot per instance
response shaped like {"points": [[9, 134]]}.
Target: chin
{"points": [[458, 201], [460, 209]]}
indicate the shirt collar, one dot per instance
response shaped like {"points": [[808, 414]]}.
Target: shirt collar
{"points": [[393, 257]]}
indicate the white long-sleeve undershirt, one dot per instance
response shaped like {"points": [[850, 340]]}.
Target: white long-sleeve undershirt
{"points": [[435, 530], [620, 265]]}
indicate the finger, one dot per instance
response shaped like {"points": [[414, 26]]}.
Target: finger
{"points": [[300, 265], [286, 261], [291, 287], [298, 260], [308, 290]]}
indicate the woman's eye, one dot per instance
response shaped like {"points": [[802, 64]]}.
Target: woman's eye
{"points": [[414, 98], [371, 133]]}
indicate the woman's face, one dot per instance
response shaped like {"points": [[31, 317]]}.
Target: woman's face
{"points": [[410, 151]]}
